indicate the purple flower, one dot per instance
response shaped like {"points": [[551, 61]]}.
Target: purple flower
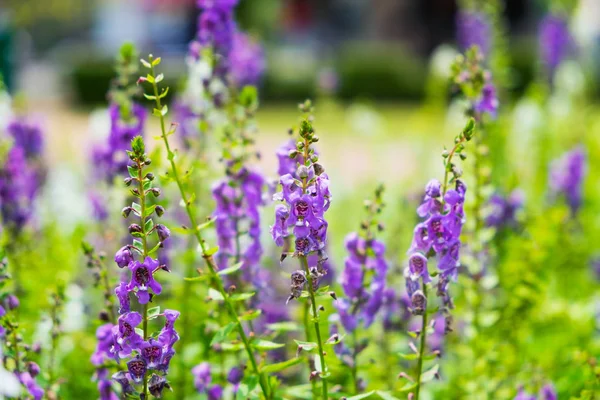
{"points": [[28, 136], [247, 60], [18, 187], [163, 232], [239, 197], [216, 27], [151, 352], [473, 29], [548, 392], [503, 211], [123, 295], [125, 337], [105, 337], [11, 302], [202, 376], [32, 387], [33, 369], [488, 102], [566, 177], [523, 395], [287, 164], [124, 256], [555, 41], [137, 369], [417, 265], [142, 278], [99, 210], [157, 384]]}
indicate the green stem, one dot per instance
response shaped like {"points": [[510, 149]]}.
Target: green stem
{"points": [[210, 263], [145, 250], [354, 363], [313, 302], [306, 318], [422, 347]]}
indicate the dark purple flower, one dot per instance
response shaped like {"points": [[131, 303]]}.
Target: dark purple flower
{"points": [[548, 392], [137, 368], [33, 369], [567, 175], [125, 337], [488, 102], [123, 295], [473, 29], [156, 385], [235, 375], [142, 278], [503, 211], [555, 41], [202, 376], [163, 232], [11, 302], [151, 352]]}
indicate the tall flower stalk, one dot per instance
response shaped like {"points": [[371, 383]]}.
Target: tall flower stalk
{"points": [[306, 198], [148, 354], [161, 111], [363, 281], [436, 237]]}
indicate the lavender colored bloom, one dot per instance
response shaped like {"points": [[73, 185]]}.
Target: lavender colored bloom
{"points": [[142, 278], [216, 27], [124, 256], [503, 211], [105, 337], [555, 41], [137, 368], [395, 309], [33, 369], [566, 177], [125, 337], [473, 29], [247, 60], [18, 188], [111, 160], [523, 395], [202, 376], [548, 392], [105, 385], [11, 302], [287, 164], [28, 136], [99, 210], [163, 232], [30, 384], [239, 197], [488, 102]]}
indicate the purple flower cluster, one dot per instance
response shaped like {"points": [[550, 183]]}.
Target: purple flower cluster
{"points": [[216, 27], [110, 160], [364, 297], [547, 392], [503, 210], [247, 60], [238, 198], [438, 234], [567, 175], [18, 188], [28, 136], [555, 41], [488, 102], [203, 379], [473, 29]]}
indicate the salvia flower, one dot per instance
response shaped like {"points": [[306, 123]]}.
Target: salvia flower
{"points": [[503, 210], [18, 189], [148, 356], [305, 201], [247, 60], [555, 41], [566, 177], [203, 380], [474, 29], [28, 136]]}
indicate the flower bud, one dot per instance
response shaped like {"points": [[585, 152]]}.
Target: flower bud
{"points": [[135, 228], [103, 316], [302, 172], [155, 192], [419, 302], [126, 211], [12, 302], [33, 369], [128, 181], [159, 210], [163, 232], [124, 256], [318, 169], [150, 176]]}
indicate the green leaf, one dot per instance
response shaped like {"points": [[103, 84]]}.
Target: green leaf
{"points": [[205, 225], [214, 294], [156, 61], [159, 78], [198, 279], [211, 251], [241, 296], [231, 269], [163, 95], [430, 374], [412, 356], [147, 185], [153, 312], [233, 347], [283, 327], [133, 172], [145, 63], [136, 207], [361, 396], [385, 395], [222, 333], [149, 225], [250, 315], [138, 244], [408, 387], [306, 346], [164, 110], [267, 345], [149, 96], [273, 368], [150, 210]]}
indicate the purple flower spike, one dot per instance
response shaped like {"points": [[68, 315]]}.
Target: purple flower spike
{"points": [[555, 42], [473, 30], [567, 175], [247, 60]]}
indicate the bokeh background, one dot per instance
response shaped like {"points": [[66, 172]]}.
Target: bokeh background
{"points": [[378, 72]]}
